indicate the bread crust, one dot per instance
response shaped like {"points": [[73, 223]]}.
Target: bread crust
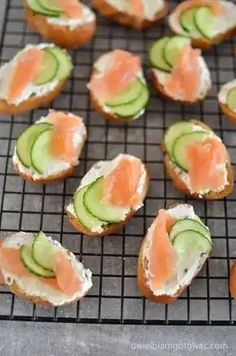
{"points": [[31, 103], [228, 113], [53, 178], [125, 19], [61, 35], [160, 89], [110, 229], [181, 186]]}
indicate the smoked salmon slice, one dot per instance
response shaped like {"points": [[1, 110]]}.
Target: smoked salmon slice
{"points": [[10, 260], [61, 145], [163, 257], [232, 281], [137, 7], [25, 71], [122, 71], [203, 161], [66, 277], [216, 7], [120, 186], [71, 8], [185, 76]]}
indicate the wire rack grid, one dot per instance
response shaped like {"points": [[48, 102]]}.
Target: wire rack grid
{"points": [[114, 297]]}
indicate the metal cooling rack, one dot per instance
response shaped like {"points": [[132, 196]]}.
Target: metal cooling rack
{"points": [[114, 297]]}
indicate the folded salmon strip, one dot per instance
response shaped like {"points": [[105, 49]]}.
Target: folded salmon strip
{"points": [[71, 8]]}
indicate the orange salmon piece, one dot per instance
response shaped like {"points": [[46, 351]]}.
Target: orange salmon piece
{"points": [[120, 186], [163, 257], [137, 8], [202, 164], [120, 74], [11, 261], [216, 7], [186, 67], [232, 281], [61, 145], [25, 72], [71, 8], [66, 277]]}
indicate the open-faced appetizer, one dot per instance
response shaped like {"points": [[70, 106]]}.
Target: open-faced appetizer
{"points": [[68, 23], [227, 100], [41, 271], [49, 149], [197, 160], [206, 22], [179, 72], [135, 13], [108, 195], [33, 78], [173, 252], [117, 87]]}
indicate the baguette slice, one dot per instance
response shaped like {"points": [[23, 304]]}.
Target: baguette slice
{"points": [[124, 18], [63, 36], [222, 100], [32, 288], [202, 41], [182, 187], [32, 176], [110, 228], [178, 285]]}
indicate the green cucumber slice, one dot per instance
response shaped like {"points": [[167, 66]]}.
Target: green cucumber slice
{"points": [[40, 157], [48, 70], [231, 99], [204, 20], [50, 5], [31, 265], [37, 8], [65, 63], [179, 148], [132, 109], [174, 131], [86, 219], [174, 48], [187, 21], [102, 211], [189, 242], [156, 55], [43, 251], [131, 93], [188, 224], [26, 140]]}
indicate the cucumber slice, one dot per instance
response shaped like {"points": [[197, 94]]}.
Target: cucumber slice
{"points": [[29, 263], [65, 63], [231, 99], [94, 204], [189, 242], [37, 8], [50, 5], [43, 251], [188, 224], [86, 219], [174, 131], [48, 70], [156, 55], [40, 157], [179, 148], [187, 21], [131, 93], [174, 48], [26, 140], [132, 109], [204, 20]]}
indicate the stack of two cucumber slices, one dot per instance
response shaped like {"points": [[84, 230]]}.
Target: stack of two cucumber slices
{"points": [[44, 7]]}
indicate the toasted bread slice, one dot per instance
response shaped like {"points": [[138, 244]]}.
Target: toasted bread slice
{"points": [[60, 35], [31, 176], [222, 100], [228, 113], [143, 268], [111, 228], [26, 281], [126, 19], [182, 187]]}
